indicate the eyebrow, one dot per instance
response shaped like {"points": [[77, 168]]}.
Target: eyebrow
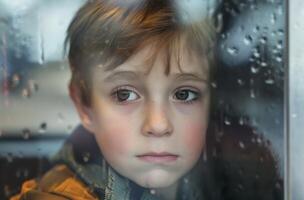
{"points": [[133, 75], [128, 75]]}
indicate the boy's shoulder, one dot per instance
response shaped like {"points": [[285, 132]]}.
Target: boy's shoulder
{"points": [[59, 183]]}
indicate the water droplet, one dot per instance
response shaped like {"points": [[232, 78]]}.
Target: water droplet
{"points": [[233, 51], [256, 54], [69, 127], [241, 121], [213, 85], [263, 40], [33, 86], [86, 157], [278, 185], [15, 80], [219, 23], [254, 69], [186, 180], [241, 145], [273, 18], [107, 41], [259, 140], [26, 93], [278, 58], [256, 29], [261, 159], [60, 117], [9, 157], [240, 82], [227, 121], [43, 127], [294, 115], [240, 187], [279, 45], [153, 192], [263, 64], [281, 32], [269, 81], [26, 133], [248, 40], [252, 93]]}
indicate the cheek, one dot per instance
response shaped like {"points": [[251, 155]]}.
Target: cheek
{"points": [[113, 138], [194, 138]]}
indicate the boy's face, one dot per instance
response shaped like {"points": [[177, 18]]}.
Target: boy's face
{"points": [[150, 127]]}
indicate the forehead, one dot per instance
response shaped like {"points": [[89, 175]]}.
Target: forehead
{"points": [[179, 59]]}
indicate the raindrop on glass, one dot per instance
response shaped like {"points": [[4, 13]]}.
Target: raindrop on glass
{"points": [[254, 69], [252, 93], [227, 121], [259, 140], [26, 93], [153, 192], [60, 117], [278, 58], [86, 157], [256, 54], [240, 82], [278, 185], [219, 22], [256, 29], [281, 32], [248, 40], [186, 180], [43, 127], [233, 51], [213, 85], [15, 80], [26, 133], [263, 40], [273, 18], [241, 121], [240, 187], [241, 145], [269, 81], [261, 159], [279, 45], [263, 64], [33, 86]]}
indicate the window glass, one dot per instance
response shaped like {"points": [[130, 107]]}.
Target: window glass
{"points": [[243, 154]]}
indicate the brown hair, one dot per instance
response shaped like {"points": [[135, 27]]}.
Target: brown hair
{"points": [[108, 33]]}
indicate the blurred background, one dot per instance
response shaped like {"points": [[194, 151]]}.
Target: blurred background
{"points": [[36, 114]]}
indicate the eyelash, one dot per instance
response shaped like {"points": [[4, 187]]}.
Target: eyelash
{"points": [[129, 89]]}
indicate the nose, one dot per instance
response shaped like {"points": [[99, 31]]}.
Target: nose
{"points": [[157, 122]]}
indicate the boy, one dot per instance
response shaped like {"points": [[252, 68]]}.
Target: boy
{"points": [[140, 83]]}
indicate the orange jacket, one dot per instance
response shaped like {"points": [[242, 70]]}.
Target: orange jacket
{"points": [[57, 184]]}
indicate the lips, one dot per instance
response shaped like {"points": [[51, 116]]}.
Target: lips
{"points": [[162, 157]]}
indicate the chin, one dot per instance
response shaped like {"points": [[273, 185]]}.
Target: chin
{"points": [[157, 180]]}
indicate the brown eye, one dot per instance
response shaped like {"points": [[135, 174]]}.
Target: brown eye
{"points": [[182, 95], [122, 95], [186, 95]]}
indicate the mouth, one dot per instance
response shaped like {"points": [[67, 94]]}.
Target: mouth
{"points": [[162, 157]]}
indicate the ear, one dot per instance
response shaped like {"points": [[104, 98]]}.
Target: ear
{"points": [[84, 112]]}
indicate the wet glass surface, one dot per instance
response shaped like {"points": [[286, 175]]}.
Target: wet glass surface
{"points": [[36, 114]]}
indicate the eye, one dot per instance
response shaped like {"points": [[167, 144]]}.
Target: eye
{"points": [[123, 95], [186, 95]]}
